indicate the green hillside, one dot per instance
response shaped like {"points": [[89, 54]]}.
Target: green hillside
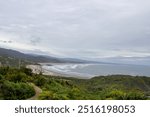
{"points": [[16, 84]]}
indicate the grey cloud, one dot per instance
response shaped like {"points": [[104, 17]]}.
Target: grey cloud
{"points": [[96, 25]]}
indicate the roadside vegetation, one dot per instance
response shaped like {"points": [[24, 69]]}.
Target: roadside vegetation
{"points": [[16, 83]]}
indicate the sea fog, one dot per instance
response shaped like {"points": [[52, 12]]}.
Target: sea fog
{"points": [[91, 70]]}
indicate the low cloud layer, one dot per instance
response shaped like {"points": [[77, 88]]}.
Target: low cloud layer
{"points": [[82, 29]]}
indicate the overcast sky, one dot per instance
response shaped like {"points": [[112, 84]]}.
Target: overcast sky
{"points": [[77, 28]]}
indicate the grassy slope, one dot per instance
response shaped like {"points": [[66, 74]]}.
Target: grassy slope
{"points": [[102, 87]]}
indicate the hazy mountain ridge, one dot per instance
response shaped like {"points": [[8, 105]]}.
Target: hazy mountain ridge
{"points": [[37, 58]]}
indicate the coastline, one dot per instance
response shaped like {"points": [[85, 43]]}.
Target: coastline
{"points": [[37, 69]]}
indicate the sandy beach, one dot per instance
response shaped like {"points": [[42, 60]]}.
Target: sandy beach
{"points": [[37, 69]]}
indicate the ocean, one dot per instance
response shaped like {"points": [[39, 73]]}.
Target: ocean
{"points": [[91, 70]]}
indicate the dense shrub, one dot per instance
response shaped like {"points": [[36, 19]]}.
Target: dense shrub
{"points": [[135, 95], [18, 77], [40, 80], [47, 95], [27, 71], [15, 91], [116, 94], [122, 95], [75, 93], [1, 77], [4, 70]]}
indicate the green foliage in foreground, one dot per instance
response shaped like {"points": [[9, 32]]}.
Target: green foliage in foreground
{"points": [[106, 87], [15, 84], [16, 91]]}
